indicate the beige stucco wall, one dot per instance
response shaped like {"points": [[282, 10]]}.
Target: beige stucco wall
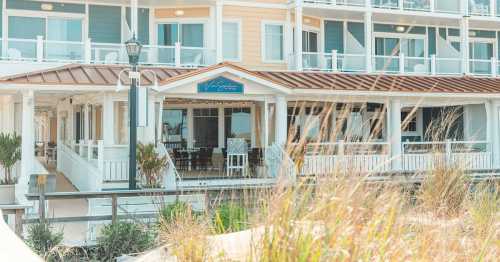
{"points": [[251, 28]]}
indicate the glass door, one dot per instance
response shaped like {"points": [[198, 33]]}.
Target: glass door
{"points": [[386, 54], [414, 50], [65, 38], [480, 54], [191, 38], [311, 57], [206, 127]]}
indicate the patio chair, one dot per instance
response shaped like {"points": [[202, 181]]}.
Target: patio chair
{"points": [[13, 53], [111, 58]]}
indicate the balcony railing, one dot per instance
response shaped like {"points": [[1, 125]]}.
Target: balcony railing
{"points": [[479, 7], [40, 50], [400, 64]]}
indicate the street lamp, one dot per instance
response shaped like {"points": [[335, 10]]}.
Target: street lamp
{"points": [[133, 47]]}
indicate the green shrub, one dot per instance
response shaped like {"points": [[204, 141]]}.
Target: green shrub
{"points": [[172, 212], [230, 218], [124, 238], [42, 239]]}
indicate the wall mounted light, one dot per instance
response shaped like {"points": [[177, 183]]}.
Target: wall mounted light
{"points": [[179, 12], [400, 29], [47, 7]]}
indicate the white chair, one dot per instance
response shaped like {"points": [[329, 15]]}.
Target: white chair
{"points": [[13, 53], [419, 68]]}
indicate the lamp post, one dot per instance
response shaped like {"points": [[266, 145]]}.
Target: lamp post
{"points": [[133, 47]]}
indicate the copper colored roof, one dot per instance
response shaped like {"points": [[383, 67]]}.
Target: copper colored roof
{"points": [[85, 74], [81, 74]]}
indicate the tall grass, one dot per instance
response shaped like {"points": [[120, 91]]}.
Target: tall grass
{"points": [[342, 217]]}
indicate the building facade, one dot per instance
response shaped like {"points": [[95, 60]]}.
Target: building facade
{"points": [[225, 71]]}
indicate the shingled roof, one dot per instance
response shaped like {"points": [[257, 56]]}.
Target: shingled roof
{"points": [[88, 74]]}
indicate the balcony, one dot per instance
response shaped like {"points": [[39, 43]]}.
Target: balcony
{"points": [[401, 64], [40, 50], [476, 7]]}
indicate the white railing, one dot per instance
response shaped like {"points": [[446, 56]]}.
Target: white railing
{"points": [[410, 5], [333, 62], [81, 173], [171, 176], [468, 155], [356, 157], [108, 53], [386, 64], [481, 9], [482, 66], [62, 51], [20, 49], [196, 56], [279, 164], [448, 66]]}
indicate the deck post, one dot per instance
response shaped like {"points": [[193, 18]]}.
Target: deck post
{"points": [[177, 54], [89, 150], [433, 64], [114, 209], [39, 48], [335, 66], [87, 51], [341, 154], [448, 159], [464, 32], [19, 213], [80, 147], [394, 118], [100, 155]]}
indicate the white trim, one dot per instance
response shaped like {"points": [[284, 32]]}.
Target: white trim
{"points": [[237, 21], [222, 70], [263, 41]]}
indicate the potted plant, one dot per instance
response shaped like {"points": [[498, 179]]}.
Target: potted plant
{"points": [[150, 165], [10, 153]]}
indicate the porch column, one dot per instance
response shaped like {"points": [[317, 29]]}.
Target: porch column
{"points": [[190, 125], [368, 41], [108, 125], [86, 126], [264, 119], [148, 131], [27, 144], [288, 43], [298, 35], [464, 32], [492, 132], [394, 124], [159, 126], [281, 121], [218, 30]]}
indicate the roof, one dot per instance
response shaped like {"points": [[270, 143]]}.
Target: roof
{"points": [[89, 74]]}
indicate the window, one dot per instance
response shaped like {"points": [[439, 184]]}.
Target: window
{"points": [[273, 49], [409, 125], [174, 126], [231, 40], [237, 124], [189, 35], [206, 127]]}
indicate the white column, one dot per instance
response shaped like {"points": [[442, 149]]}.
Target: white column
{"points": [[394, 119], [492, 132], [281, 121], [218, 30], [464, 32], [86, 118], [160, 121], [27, 144], [298, 34], [108, 123], [148, 131], [264, 112], [368, 41], [133, 16]]}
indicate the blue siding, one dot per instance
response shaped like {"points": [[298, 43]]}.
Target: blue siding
{"points": [[142, 24], [36, 6], [357, 30], [105, 24], [431, 35], [334, 36]]}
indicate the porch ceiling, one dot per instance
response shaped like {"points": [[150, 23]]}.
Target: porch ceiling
{"points": [[107, 75]]}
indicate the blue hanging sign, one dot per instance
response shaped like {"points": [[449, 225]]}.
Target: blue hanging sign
{"points": [[220, 85]]}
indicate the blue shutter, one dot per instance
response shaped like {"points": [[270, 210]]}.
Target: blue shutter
{"points": [[357, 30], [334, 36], [37, 6], [431, 36], [105, 24], [142, 24]]}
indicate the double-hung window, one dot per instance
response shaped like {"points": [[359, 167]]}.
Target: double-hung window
{"points": [[273, 41], [231, 41]]}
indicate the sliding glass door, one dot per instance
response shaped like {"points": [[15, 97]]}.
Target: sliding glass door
{"points": [[388, 50], [480, 54], [191, 38]]}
